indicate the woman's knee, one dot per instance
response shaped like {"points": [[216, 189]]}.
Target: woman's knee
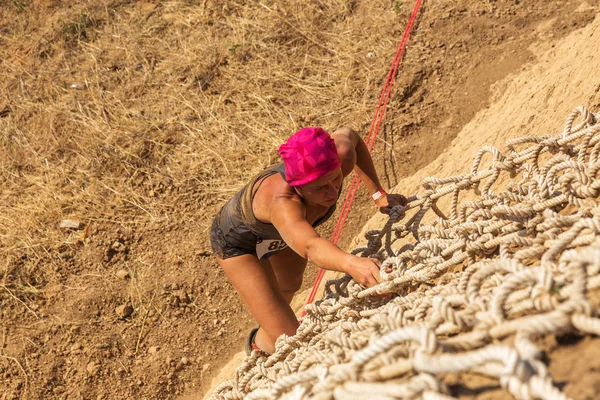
{"points": [[289, 270], [291, 285]]}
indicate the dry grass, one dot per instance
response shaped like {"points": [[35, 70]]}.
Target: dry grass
{"points": [[118, 111], [134, 113]]}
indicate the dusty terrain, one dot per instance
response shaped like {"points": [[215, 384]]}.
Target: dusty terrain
{"points": [[140, 119]]}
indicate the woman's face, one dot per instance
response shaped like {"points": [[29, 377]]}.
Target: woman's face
{"points": [[324, 190]]}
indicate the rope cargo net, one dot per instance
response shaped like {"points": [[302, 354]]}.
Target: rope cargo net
{"points": [[517, 263]]}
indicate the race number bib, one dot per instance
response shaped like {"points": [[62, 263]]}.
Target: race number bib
{"points": [[268, 247]]}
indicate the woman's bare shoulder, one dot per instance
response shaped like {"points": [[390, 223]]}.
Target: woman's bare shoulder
{"points": [[274, 193]]}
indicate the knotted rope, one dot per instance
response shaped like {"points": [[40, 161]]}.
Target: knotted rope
{"points": [[518, 259]]}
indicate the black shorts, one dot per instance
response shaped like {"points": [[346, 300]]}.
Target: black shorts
{"points": [[223, 248], [230, 245]]}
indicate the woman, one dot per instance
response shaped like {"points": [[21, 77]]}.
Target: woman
{"points": [[264, 236]]}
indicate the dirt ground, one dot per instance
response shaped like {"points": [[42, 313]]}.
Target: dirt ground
{"points": [[140, 119]]}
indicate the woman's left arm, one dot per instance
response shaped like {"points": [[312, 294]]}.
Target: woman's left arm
{"points": [[354, 155]]}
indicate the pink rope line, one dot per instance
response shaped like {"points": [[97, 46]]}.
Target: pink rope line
{"points": [[370, 141]]}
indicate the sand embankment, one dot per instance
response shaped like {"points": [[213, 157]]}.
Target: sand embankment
{"points": [[532, 102]]}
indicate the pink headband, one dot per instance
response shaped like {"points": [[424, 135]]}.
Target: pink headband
{"points": [[309, 154]]}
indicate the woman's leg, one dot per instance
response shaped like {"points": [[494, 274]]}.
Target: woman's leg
{"points": [[258, 287], [288, 268]]}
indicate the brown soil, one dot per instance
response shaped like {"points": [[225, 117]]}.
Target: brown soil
{"points": [[140, 119]]}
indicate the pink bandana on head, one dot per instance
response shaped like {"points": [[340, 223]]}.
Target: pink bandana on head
{"points": [[309, 154]]}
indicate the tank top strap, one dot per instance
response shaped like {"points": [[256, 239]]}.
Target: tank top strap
{"points": [[252, 188], [260, 178]]}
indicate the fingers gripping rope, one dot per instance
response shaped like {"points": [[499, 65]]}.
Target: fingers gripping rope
{"points": [[518, 259]]}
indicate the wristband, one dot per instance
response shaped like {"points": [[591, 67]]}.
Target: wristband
{"points": [[378, 194]]}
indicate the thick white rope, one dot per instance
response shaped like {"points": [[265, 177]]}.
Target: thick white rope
{"points": [[516, 259]]}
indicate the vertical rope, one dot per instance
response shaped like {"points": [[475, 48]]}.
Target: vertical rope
{"points": [[370, 141]]}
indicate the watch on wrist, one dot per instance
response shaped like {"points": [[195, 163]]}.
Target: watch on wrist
{"points": [[378, 194]]}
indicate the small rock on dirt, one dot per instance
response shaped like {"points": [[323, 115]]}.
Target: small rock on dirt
{"points": [[122, 274], [153, 350], [124, 311], [74, 329], [118, 247], [92, 368]]}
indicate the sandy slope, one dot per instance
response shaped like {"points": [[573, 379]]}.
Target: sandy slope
{"points": [[534, 101]]}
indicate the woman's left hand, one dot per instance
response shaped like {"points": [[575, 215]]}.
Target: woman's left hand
{"points": [[385, 203]]}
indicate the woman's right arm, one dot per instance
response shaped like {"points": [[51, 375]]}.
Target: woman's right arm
{"points": [[327, 255], [287, 215]]}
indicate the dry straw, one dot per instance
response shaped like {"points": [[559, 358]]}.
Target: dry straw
{"points": [[133, 113]]}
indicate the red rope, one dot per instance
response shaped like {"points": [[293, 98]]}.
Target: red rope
{"points": [[370, 141]]}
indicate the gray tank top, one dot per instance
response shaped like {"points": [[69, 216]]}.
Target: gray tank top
{"points": [[237, 221]]}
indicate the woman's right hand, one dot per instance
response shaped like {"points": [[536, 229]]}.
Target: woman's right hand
{"points": [[364, 270]]}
